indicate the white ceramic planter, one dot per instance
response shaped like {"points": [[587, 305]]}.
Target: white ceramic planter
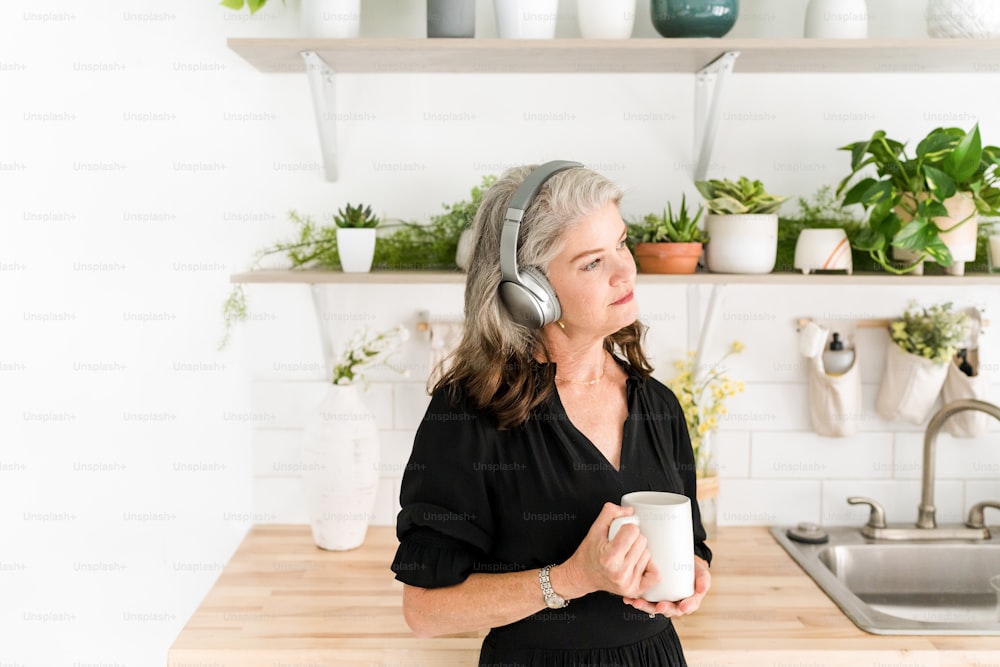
{"points": [[605, 19], [837, 19], [331, 18], [356, 248], [339, 460], [526, 19], [741, 243]]}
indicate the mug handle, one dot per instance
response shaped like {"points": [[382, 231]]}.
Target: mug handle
{"points": [[617, 523]]}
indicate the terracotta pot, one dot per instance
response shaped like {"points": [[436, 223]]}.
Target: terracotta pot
{"points": [[668, 257]]}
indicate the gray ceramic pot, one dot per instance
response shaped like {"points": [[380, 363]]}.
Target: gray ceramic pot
{"points": [[451, 18]]}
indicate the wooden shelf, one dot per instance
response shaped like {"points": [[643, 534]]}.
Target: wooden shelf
{"points": [[499, 56], [314, 277]]}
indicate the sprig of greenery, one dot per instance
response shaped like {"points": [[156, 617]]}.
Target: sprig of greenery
{"points": [[934, 332], [410, 246]]}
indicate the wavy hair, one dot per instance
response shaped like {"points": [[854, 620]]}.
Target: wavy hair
{"points": [[494, 364]]}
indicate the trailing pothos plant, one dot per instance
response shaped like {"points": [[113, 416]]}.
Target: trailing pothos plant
{"points": [[948, 161]]}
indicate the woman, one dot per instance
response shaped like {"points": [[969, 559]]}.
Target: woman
{"points": [[532, 436]]}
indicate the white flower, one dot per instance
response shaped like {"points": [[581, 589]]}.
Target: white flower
{"points": [[366, 349]]}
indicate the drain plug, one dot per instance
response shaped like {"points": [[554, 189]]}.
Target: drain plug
{"points": [[808, 533]]}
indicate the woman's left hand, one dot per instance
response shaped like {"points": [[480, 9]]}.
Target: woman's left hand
{"points": [[702, 582]]}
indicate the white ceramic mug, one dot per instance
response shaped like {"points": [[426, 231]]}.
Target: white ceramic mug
{"points": [[664, 519]]}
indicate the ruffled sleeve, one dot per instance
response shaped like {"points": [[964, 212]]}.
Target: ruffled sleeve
{"points": [[445, 526]]}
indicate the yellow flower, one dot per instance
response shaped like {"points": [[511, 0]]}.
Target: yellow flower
{"points": [[702, 392]]}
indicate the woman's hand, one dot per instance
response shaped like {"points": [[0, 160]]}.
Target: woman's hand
{"points": [[702, 582], [620, 566]]}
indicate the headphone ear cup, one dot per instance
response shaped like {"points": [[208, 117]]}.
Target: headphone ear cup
{"points": [[543, 294]]}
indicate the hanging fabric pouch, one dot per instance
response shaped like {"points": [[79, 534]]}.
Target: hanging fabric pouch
{"points": [[958, 385], [910, 385], [834, 400]]}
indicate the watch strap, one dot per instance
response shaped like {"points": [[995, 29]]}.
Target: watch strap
{"points": [[552, 600]]}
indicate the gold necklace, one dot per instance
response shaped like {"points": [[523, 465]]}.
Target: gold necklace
{"points": [[585, 382]]}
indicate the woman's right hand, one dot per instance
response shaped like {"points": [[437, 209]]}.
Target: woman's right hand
{"points": [[621, 566]]}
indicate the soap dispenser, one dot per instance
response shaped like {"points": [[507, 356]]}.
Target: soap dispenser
{"points": [[837, 360]]}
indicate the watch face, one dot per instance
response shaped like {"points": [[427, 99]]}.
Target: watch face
{"points": [[555, 602]]}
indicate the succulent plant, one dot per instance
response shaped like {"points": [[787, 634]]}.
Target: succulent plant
{"points": [[725, 197], [669, 228], [355, 217]]}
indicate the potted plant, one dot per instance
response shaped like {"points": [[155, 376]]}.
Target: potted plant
{"points": [[669, 243], [926, 206], [340, 448], [702, 393], [742, 226], [922, 344], [356, 238]]}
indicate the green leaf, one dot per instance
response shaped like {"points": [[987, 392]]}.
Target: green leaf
{"points": [[939, 183], [869, 240], [964, 160], [232, 4], [915, 235], [939, 251]]}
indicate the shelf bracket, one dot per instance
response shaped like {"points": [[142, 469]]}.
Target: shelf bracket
{"points": [[321, 82], [323, 321], [703, 333], [710, 80]]}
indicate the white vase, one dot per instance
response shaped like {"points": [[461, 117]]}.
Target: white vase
{"points": [[526, 19], [331, 18], [340, 457], [356, 248], [605, 19], [837, 19], [741, 243]]}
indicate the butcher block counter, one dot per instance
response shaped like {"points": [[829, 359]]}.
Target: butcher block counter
{"points": [[281, 601]]}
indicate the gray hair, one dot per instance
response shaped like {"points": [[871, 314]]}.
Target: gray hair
{"points": [[492, 364]]}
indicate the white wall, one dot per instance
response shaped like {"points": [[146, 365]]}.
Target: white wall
{"points": [[142, 162]]}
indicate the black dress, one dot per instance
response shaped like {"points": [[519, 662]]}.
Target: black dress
{"points": [[475, 499]]}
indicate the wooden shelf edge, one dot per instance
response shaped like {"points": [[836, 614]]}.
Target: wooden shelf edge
{"points": [[637, 55], [316, 277]]}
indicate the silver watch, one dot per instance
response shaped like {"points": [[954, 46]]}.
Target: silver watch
{"points": [[552, 599]]}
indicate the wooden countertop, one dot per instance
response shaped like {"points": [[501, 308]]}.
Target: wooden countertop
{"points": [[283, 601]]}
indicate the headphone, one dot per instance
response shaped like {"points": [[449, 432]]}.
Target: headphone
{"points": [[527, 294]]}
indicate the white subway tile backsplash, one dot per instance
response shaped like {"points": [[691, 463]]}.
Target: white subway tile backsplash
{"points": [[807, 455], [411, 404], [775, 469], [732, 454], [753, 502], [955, 458]]}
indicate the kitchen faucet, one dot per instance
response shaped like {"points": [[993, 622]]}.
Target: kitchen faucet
{"points": [[926, 527]]}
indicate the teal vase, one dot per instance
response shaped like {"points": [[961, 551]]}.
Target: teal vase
{"points": [[694, 18]]}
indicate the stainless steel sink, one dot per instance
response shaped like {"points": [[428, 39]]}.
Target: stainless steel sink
{"points": [[899, 588]]}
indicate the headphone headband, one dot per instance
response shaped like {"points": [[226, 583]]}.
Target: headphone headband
{"points": [[519, 203], [527, 295]]}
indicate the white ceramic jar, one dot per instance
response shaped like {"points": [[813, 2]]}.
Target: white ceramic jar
{"points": [[837, 19], [605, 19], [331, 18], [526, 19]]}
